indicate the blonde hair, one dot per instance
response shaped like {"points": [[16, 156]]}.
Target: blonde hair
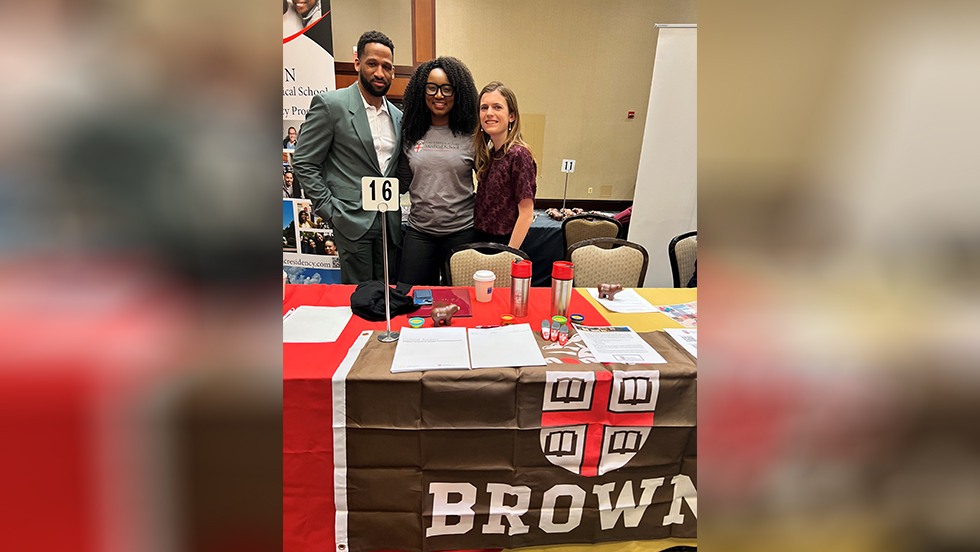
{"points": [[481, 142]]}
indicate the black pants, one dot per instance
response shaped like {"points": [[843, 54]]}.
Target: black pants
{"points": [[424, 255], [362, 260]]}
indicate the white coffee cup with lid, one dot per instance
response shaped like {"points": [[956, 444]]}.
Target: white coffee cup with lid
{"points": [[483, 282]]}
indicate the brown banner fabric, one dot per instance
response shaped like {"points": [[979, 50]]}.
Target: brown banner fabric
{"points": [[571, 452]]}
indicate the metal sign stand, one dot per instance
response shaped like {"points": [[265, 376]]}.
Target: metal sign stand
{"points": [[565, 194], [567, 166], [388, 336], [370, 201]]}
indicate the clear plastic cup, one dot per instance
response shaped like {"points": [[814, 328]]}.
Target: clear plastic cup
{"points": [[483, 282]]}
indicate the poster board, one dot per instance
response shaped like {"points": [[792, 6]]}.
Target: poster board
{"points": [[309, 255], [665, 203]]}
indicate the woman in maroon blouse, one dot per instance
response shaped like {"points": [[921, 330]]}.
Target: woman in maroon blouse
{"points": [[505, 170]]}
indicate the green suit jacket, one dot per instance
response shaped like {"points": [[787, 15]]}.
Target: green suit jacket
{"points": [[334, 151]]}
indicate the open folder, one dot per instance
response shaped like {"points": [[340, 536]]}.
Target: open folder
{"points": [[451, 348]]}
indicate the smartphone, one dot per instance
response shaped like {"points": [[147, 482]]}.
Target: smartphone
{"points": [[422, 296]]}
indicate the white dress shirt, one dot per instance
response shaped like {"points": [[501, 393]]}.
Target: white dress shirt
{"points": [[382, 130]]}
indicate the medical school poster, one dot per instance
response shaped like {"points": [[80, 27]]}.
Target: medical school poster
{"points": [[309, 254], [307, 70]]}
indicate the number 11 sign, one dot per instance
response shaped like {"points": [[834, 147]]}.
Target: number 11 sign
{"points": [[379, 194]]}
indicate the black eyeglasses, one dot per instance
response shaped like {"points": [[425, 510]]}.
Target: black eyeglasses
{"points": [[431, 88]]}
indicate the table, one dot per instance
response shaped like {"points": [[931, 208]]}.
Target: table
{"points": [[544, 244], [309, 397]]}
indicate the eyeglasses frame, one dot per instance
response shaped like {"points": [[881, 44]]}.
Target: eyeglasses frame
{"points": [[439, 88]]}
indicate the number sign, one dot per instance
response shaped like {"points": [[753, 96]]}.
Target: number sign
{"points": [[379, 194]]}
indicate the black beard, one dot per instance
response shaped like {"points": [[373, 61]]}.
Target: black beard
{"points": [[366, 84]]}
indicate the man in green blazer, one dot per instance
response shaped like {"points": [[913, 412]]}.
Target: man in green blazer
{"points": [[349, 134]]}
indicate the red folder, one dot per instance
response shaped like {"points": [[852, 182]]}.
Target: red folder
{"points": [[458, 296]]}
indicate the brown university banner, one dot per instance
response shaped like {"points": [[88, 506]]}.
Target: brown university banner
{"points": [[571, 452]]}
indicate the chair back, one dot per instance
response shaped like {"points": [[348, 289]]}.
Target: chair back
{"points": [[683, 254], [585, 226], [608, 261], [466, 259]]}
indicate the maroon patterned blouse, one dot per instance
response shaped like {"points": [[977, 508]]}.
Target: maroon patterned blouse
{"points": [[508, 179]]}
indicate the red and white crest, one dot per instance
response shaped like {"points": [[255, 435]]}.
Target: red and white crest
{"points": [[595, 422]]}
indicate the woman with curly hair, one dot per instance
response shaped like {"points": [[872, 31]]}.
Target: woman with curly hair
{"points": [[436, 166], [505, 169]]}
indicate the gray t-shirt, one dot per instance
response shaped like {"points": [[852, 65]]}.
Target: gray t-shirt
{"points": [[439, 168]]}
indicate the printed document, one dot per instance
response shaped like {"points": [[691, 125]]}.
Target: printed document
{"points": [[685, 314], [618, 344], [627, 300], [685, 338], [506, 346], [431, 349], [310, 324]]}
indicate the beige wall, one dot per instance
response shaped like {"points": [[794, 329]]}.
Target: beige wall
{"points": [[352, 17], [577, 67], [579, 64]]}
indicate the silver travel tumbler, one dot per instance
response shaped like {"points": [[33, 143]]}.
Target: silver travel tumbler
{"points": [[520, 287], [562, 273]]}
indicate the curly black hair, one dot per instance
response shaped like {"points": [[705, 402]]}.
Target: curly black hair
{"points": [[416, 118], [374, 36]]}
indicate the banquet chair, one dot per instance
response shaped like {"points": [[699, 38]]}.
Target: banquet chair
{"points": [[582, 227], [608, 261], [683, 254], [466, 259]]}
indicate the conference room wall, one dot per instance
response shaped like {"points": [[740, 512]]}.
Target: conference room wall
{"points": [[353, 17], [577, 67]]}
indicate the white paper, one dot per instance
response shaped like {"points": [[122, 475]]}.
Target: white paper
{"points": [[431, 349], [627, 300], [506, 346], [618, 344], [310, 324], [685, 338]]}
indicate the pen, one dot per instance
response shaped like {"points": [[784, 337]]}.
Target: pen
{"points": [[290, 311], [491, 326]]}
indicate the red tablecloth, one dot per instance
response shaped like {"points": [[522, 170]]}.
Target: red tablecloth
{"points": [[308, 499]]}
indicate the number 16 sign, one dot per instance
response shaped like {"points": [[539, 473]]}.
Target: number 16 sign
{"points": [[379, 194]]}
